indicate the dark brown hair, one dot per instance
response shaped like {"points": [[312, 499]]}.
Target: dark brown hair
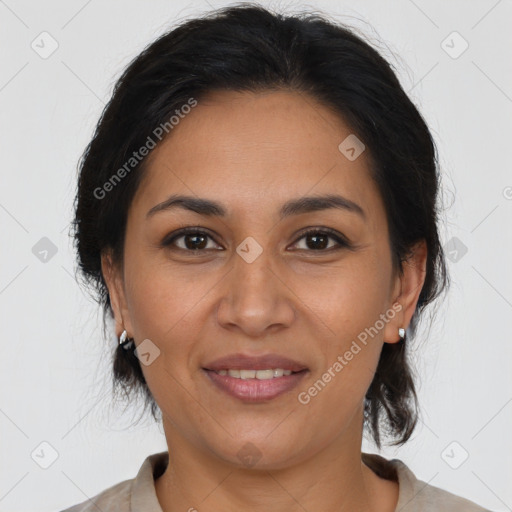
{"points": [[248, 48]]}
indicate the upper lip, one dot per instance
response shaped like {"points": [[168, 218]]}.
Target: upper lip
{"points": [[262, 362]]}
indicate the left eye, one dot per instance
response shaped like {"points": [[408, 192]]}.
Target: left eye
{"points": [[317, 239]]}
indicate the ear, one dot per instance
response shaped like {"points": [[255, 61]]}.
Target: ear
{"points": [[407, 287], [115, 284]]}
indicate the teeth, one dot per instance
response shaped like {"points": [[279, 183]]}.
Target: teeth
{"points": [[248, 374], [255, 374]]}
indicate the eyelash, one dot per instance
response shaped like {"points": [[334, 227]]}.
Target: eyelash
{"points": [[342, 242]]}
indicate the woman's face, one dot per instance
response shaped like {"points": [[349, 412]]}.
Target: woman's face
{"points": [[255, 284]]}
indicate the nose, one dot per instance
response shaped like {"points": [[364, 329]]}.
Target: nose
{"points": [[255, 297]]}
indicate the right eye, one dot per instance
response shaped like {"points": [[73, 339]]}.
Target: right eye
{"points": [[194, 239]]}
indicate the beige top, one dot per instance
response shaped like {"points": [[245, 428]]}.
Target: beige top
{"points": [[138, 494]]}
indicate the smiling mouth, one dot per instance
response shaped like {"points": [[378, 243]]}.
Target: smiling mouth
{"points": [[246, 374], [255, 385]]}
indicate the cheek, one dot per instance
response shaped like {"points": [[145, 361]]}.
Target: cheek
{"points": [[162, 298], [164, 308], [350, 351], [348, 305], [345, 298], [168, 306]]}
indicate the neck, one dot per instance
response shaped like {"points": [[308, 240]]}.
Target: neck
{"points": [[334, 479]]}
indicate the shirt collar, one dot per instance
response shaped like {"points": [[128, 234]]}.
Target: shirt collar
{"points": [[144, 498]]}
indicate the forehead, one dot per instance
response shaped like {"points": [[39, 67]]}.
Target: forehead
{"points": [[250, 150]]}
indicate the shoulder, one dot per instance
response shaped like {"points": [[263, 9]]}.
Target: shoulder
{"points": [[115, 499], [134, 494], [416, 495], [424, 496]]}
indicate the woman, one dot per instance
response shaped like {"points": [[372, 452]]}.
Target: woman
{"points": [[258, 212]]}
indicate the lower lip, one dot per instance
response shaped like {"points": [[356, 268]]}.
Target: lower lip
{"points": [[255, 390]]}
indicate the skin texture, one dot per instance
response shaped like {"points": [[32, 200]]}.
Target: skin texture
{"points": [[252, 152]]}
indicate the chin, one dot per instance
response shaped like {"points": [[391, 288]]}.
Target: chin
{"points": [[260, 453]]}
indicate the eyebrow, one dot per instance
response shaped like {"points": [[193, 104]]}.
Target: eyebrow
{"points": [[293, 207]]}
